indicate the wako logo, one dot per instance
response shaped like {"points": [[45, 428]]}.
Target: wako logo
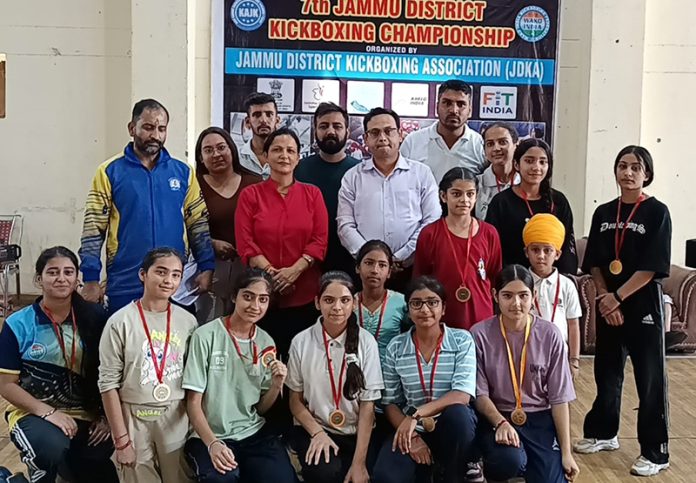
{"points": [[248, 15], [37, 351], [498, 102], [532, 23]]}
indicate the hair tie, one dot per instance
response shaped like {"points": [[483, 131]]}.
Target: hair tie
{"points": [[352, 359]]}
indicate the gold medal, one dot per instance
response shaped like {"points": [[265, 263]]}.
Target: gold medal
{"points": [[428, 424], [268, 357], [161, 392], [337, 419], [518, 417], [463, 294], [615, 267]]}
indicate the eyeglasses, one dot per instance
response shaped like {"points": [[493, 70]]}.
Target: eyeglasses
{"points": [[220, 149], [377, 133], [417, 304]]}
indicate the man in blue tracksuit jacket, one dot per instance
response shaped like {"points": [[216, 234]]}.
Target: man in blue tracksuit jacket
{"points": [[140, 200]]}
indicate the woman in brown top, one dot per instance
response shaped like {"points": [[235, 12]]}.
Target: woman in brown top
{"points": [[222, 178]]}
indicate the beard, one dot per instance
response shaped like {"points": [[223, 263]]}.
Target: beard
{"points": [[150, 147], [332, 144]]}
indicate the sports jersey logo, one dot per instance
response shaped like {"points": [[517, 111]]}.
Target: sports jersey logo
{"points": [[174, 184], [37, 351]]}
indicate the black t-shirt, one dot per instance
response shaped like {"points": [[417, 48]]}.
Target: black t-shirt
{"points": [[646, 246], [508, 212]]}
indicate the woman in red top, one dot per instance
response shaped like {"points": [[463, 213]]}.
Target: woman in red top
{"points": [[281, 226], [222, 178], [460, 251]]}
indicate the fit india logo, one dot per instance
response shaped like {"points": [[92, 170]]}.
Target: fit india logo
{"points": [[498, 102], [532, 23], [248, 15]]}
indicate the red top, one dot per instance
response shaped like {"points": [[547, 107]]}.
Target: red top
{"points": [[282, 229], [434, 257]]}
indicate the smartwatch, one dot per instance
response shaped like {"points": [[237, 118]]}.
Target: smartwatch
{"points": [[411, 412]]}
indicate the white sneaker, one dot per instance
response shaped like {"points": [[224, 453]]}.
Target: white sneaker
{"points": [[592, 445], [644, 467]]}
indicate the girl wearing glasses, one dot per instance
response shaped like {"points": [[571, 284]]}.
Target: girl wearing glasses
{"points": [[460, 251], [232, 378], [430, 378], [222, 178], [334, 378], [523, 388]]}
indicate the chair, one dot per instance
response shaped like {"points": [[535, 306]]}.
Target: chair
{"points": [[10, 234]]}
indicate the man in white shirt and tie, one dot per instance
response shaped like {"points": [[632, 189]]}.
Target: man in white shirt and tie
{"points": [[449, 142], [388, 197]]}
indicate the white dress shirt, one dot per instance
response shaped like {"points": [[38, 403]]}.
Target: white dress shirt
{"points": [[488, 188], [428, 147], [568, 300], [308, 372], [250, 161], [392, 208]]}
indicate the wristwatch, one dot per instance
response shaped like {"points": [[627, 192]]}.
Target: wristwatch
{"points": [[308, 259], [410, 411]]}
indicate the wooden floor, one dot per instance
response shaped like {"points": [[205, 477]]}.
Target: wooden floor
{"points": [[603, 467]]}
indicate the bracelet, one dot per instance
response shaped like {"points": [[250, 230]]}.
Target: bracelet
{"points": [[317, 433], [618, 297], [213, 442], [121, 448], [120, 437], [497, 426], [53, 410]]}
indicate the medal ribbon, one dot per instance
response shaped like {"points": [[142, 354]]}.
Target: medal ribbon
{"points": [[61, 341], [252, 343], [529, 207], [335, 392], [523, 362], [436, 357], [555, 299], [462, 270], [159, 371], [619, 239], [381, 312]]}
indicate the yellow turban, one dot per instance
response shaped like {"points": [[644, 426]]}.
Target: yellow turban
{"points": [[544, 228]]}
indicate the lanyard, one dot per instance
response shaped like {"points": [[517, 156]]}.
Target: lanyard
{"points": [[159, 370], [335, 391], [436, 357], [61, 340], [517, 388], [252, 343], [529, 207], [381, 312], [555, 299], [619, 239], [462, 269]]}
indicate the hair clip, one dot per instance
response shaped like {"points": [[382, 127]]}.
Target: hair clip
{"points": [[352, 359]]}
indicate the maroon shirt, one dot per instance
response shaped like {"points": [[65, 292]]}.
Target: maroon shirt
{"points": [[434, 257], [282, 229], [547, 379]]}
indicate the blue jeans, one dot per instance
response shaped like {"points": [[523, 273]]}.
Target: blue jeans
{"points": [[538, 458], [47, 452], [261, 457], [451, 444]]}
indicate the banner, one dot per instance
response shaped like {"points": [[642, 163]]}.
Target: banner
{"points": [[390, 53]]}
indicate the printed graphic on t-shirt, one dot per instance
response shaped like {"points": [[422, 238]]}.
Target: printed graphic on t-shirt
{"points": [[174, 365], [634, 227]]}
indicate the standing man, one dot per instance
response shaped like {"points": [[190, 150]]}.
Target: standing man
{"points": [[140, 200], [325, 170], [448, 143], [387, 197], [262, 118]]}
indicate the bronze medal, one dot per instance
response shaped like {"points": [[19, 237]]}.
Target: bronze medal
{"points": [[268, 358], [616, 267], [428, 424], [518, 417], [463, 294], [337, 419]]}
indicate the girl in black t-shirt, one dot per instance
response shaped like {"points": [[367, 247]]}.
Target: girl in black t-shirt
{"points": [[510, 210], [628, 253]]}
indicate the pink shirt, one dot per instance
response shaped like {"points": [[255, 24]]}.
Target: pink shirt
{"points": [[547, 379]]}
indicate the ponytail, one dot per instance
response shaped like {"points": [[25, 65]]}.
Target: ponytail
{"points": [[355, 379]]}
